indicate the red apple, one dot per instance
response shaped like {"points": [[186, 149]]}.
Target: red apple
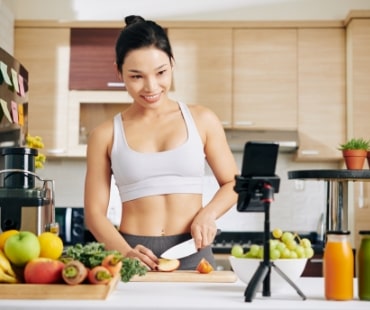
{"points": [[168, 264], [43, 270]]}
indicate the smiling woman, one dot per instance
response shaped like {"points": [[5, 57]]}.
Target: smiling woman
{"points": [[156, 150]]}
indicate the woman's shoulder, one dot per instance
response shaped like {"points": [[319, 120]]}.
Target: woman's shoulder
{"points": [[103, 132], [203, 113]]}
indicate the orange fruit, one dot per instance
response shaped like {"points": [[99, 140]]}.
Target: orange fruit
{"points": [[5, 235], [204, 266], [51, 245]]}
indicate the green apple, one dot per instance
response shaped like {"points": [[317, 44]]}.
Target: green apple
{"points": [[22, 247]]}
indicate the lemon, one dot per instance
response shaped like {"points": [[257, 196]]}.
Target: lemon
{"points": [[5, 235], [51, 245]]}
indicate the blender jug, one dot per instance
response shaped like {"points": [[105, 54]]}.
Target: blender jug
{"points": [[26, 200]]}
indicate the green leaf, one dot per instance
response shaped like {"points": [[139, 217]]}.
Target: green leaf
{"points": [[355, 144]]}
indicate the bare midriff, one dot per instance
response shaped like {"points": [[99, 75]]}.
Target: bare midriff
{"points": [[170, 214]]}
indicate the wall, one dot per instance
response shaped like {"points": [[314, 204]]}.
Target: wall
{"points": [[6, 28], [186, 10]]}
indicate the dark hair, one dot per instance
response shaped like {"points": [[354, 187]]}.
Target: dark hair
{"points": [[139, 33]]}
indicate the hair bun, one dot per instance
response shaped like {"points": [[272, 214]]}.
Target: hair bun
{"points": [[133, 19]]}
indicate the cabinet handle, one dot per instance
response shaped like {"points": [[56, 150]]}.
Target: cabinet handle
{"points": [[55, 151], [244, 123], [116, 84], [316, 260], [310, 152]]}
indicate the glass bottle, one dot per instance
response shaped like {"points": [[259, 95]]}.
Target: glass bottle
{"points": [[363, 269], [338, 265]]}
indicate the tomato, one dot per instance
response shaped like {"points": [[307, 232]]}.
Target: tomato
{"points": [[204, 266]]}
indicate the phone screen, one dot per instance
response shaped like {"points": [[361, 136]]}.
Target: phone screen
{"points": [[258, 167], [259, 159]]}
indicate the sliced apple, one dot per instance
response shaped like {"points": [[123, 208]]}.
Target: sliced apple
{"points": [[168, 264]]}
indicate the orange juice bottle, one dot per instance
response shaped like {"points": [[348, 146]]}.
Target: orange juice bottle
{"points": [[338, 266]]}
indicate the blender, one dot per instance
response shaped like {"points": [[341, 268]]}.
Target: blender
{"points": [[26, 200]]}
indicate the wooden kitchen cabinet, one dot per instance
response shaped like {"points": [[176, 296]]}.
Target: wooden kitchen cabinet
{"points": [[88, 109], [45, 54], [321, 93], [265, 79], [253, 77], [203, 68], [91, 65], [358, 81]]}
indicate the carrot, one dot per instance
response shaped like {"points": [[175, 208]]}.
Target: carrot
{"points": [[113, 263], [74, 272], [99, 275]]}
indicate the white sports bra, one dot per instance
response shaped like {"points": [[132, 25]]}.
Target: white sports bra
{"points": [[179, 170]]}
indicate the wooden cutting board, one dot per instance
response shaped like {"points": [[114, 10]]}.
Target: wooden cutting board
{"points": [[186, 276]]}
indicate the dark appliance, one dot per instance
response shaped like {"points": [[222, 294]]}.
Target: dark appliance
{"points": [[71, 224], [26, 200]]}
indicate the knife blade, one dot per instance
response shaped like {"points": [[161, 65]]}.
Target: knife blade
{"points": [[180, 250], [183, 249]]}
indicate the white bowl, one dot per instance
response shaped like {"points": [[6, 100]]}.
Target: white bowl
{"points": [[245, 268]]}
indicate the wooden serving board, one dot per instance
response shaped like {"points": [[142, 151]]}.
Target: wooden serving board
{"points": [[58, 291], [186, 276]]}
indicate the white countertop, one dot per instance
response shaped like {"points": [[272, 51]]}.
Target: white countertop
{"points": [[170, 295]]}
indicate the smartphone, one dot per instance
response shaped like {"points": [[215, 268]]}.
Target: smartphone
{"points": [[259, 159], [258, 169]]}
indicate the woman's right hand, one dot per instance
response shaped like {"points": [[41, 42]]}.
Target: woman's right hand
{"points": [[144, 255]]}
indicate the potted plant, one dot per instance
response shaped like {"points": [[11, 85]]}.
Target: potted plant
{"points": [[355, 152]]}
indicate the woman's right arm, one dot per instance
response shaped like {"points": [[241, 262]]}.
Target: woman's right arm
{"points": [[97, 194]]}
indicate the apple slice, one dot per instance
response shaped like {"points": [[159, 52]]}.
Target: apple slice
{"points": [[168, 264]]}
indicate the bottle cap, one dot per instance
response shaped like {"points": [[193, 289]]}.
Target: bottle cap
{"points": [[338, 232]]}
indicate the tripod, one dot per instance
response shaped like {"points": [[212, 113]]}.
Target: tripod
{"points": [[263, 272]]}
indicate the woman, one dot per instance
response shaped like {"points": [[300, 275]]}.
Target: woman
{"points": [[156, 150]]}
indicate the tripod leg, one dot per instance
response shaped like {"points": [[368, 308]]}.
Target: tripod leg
{"points": [[285, 277], [257, 279]]}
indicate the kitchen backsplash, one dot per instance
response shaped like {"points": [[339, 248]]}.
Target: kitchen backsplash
{"points": [[297, 206]]}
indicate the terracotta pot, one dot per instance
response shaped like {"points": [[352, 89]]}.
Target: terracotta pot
{"points": [[354, 159]]}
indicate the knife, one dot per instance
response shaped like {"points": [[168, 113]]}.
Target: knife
{"points": [[182, 249]]}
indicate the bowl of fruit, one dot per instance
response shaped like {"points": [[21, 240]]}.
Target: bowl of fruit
{"points": [[288, 252]]}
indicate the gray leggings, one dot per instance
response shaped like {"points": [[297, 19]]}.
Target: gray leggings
{"points": [[160, 244]]}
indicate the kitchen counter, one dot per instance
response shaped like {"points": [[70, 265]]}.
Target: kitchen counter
{"points": [[170, 295]]}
